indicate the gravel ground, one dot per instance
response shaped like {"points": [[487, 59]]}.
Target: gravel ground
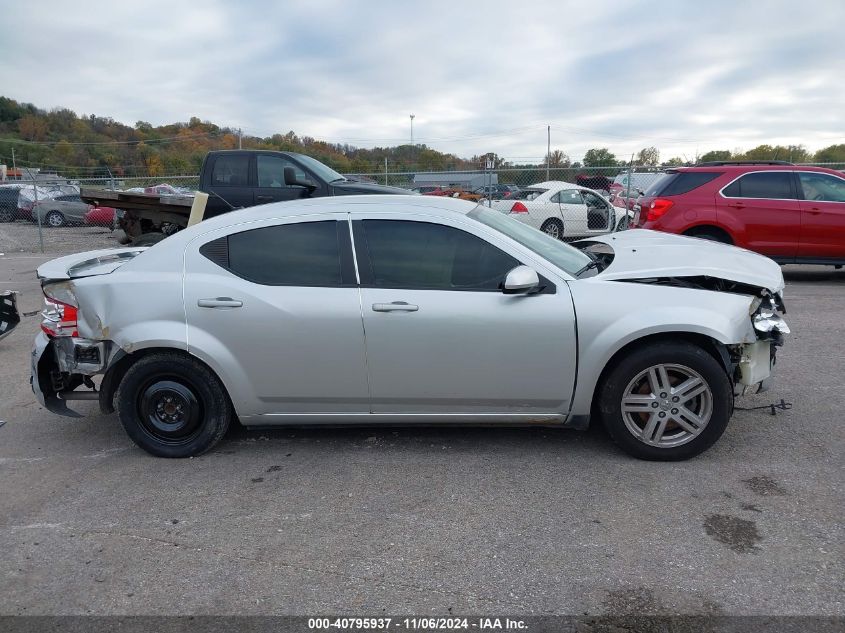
{"points": [[21, 237], [430, 521]]}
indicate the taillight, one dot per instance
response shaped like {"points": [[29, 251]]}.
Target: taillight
{"points": [[518, 207], [60, 318], [658, 208]]}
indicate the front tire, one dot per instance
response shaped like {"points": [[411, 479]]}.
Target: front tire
{"points": [[666, 401], [553, 228], [172, 405]]}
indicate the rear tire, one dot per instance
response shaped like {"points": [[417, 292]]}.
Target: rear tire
{"points": [[55, 219], [172, 405], [666, 401], [553, 228], [710, 233], [7, 215]]}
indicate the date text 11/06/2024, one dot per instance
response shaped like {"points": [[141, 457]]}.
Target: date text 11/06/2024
{"points": [[416, 624]]}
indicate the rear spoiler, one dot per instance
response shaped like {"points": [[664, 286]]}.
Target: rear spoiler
{"points": [[87, 264]]}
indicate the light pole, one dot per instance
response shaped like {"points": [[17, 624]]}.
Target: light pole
{"points": [[412, 130]]}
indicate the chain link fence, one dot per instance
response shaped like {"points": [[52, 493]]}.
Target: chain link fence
{"points": [[567, 202]]}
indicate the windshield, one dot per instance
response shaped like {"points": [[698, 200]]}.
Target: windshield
{"points": [[561, 255], [528, 194], [324, 172]]}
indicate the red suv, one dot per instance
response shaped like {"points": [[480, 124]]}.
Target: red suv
{"points": [[791, 213]]}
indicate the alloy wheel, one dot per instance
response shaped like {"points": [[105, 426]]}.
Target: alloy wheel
{"points": [[667, 405]]}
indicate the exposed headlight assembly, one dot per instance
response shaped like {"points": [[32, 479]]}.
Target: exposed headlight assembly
{"points": [[768, 321]]}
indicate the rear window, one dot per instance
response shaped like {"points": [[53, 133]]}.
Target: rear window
{"points": [[675, 184], [230, 171], [774, 185], [528, 194]]}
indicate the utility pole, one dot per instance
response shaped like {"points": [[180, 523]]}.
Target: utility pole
{"points": [[239, 139], [385, 170], [548, 152], [14, 165], [412, 131]]}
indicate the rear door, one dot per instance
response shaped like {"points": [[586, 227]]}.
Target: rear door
{"points": [[573, 212], [228, 182], [273, 307], [764, 212], [443, 338], [822, 216]]}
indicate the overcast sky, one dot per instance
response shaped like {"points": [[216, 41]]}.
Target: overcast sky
{"points": [[479, 76]]}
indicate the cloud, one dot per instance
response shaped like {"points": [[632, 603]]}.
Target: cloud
{"points": [[479, 76]]}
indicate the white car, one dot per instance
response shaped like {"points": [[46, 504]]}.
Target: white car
{"points": [[563, 210], [410, 310]]}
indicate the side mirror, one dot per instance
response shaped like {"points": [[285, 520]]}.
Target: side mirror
{"points": [[520, 280], [292, 181]]}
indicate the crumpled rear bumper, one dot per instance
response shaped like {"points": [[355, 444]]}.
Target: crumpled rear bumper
{"points": [[9, 316], [60, 365]]}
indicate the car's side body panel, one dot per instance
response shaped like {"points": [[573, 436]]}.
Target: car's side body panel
{"points": [[604, 328]]}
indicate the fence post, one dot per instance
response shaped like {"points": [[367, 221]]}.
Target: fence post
{"points": [[385, 170], [35, 207]]}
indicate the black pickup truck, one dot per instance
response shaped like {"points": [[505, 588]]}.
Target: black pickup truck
{"points": [[245, 178], [233, 179]]}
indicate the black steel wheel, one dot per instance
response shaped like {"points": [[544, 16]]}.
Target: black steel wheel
{"points": [[171, 405]]}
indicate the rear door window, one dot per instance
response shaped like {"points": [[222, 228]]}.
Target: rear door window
{"points": [[301, 254], [231, 171], [568, 196], [773, 185]]}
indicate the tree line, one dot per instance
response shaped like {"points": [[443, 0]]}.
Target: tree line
{"points": [[89, 145]]}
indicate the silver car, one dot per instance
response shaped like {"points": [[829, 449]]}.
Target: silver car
{"points": [[408, 310], [61, 210]]}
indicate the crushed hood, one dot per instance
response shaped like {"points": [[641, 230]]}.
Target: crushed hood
{"points": [[640, 253], [88, 264]]}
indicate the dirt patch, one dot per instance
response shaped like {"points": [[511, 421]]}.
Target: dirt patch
{"points": [[738, 534], [633, 600], [765, 486]]}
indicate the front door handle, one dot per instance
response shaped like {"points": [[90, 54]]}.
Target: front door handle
{"points": [[219, 302], [264, 198], [396, 306]]}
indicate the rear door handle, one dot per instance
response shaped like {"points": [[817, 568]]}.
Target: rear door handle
{"points": [[396, 306], [736, 205], [263, 198], [219, 302]]}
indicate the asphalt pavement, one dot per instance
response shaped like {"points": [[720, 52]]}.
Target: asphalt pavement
{"points": [[431, 521]]}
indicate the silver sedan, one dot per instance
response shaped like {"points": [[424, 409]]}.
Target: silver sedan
{"points": [[409, 310]]}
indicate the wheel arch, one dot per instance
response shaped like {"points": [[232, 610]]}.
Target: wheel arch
{"points": [[115, 373], [712, 346], [709, 227]]}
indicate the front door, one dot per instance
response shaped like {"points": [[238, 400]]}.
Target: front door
{"points": [[274, 309], [822, 216], [443, 338], [271, 187]]}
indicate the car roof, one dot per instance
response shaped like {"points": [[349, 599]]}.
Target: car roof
{"points": [[410, 204], [761, 166], [555, 184]]}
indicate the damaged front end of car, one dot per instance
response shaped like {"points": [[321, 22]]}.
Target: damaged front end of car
{"points": [[751, 361]]}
